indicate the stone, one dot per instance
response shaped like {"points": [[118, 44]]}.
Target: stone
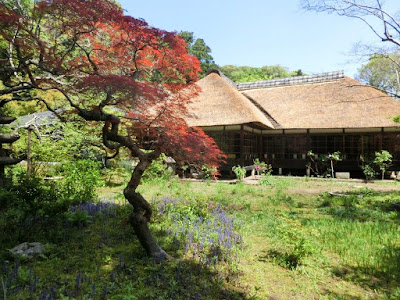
{"points": [[27, 250], [343, 175]]}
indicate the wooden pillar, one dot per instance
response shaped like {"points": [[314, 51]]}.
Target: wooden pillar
{"points": [[284, 145], [362, 145], [344, 143], [241, 146], [308, 142]]}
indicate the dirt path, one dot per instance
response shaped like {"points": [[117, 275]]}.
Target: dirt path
{"points": [[315, 186]]}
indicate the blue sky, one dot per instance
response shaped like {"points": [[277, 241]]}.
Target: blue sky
{"points": [[263, 32]]}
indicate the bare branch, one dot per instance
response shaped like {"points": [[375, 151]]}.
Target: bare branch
{"points": [[353, 9]]}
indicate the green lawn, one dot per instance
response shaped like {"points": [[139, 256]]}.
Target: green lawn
{"points": [[307, 245], [286, 239]]}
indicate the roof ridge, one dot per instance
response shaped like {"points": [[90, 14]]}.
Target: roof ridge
{"points": [[327, 76], [231, 82], [264, 111]]}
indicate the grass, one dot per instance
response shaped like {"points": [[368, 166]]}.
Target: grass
{"points": [[231, 241], [316, 246]]}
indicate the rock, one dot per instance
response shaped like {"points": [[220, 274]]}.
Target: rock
{"points": [[27, 250], [343, 175]]}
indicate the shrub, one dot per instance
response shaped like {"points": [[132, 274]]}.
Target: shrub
{"points": [[262, 167], [26, 203], [323, 165], [383, 160], [292, 245], [79, 182], [29, 203], [368, 171], [239, 171], [210, 172], [157, 170]]}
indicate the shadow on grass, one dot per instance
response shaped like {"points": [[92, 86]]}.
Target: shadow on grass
{"points": [[352, 213], [374, 280], [284, 259], [103, 260], [357, 207], [341, 296]]}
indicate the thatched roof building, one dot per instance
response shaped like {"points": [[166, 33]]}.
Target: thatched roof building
{"points": [[221, 103], [281, 120], [340, 103], [328, 100]]}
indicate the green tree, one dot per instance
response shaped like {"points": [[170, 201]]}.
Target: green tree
{"points": [[383, 160], [198, 48], [246, 73], [383, 72], [114, 72]]}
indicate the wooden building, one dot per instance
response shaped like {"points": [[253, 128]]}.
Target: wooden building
{"points": [[280, 120]]}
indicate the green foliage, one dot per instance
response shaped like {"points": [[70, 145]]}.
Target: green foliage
{"points": [[78, 218], [261, 167], [383, 160], [273, 181], [182, 208], [382, 71], [357, 217], [239, 171], [102, 262], [293, 257], [323, 165], [29, 203], [245, 73], [157, 170], [210, 172], [368, 171], [64, 142], [198, 48], [79, 182], [347, 243], [25, 204]]}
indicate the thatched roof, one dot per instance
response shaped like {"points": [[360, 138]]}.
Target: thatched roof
{"points": [[340, 103], [328, 100], [220, 103]]}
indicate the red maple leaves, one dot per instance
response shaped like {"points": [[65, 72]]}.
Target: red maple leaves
{"points": [[108, 66]]}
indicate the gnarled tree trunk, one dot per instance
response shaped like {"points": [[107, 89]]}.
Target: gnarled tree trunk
{"points": [[5, 159], [142, 213]]}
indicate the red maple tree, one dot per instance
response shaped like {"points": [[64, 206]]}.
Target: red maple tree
{"points": [[113, 69]]}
